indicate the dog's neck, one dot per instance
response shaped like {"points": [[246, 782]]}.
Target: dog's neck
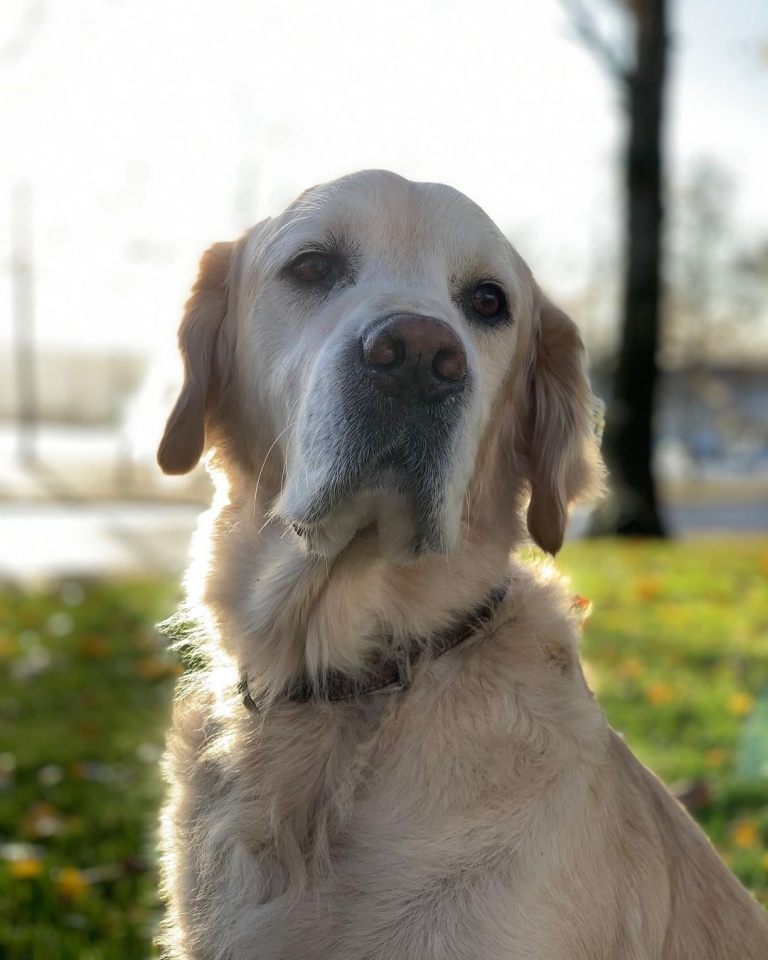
{"points": [[282, 615], [389, 668]]}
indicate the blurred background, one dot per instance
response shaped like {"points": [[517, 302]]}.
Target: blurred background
{"points": [[620, 144]]}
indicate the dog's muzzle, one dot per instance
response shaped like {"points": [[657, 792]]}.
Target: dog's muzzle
{"points": [[379, 439]]}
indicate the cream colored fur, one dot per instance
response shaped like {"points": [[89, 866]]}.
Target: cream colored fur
{"points": [[487, 810]]}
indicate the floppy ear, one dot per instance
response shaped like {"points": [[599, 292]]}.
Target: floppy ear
{"points": [[184, 438], [561, 430]]}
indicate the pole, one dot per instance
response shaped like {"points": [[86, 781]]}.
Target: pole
{"points": [[23, 309]]}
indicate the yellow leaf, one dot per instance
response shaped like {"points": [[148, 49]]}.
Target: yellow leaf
{"points": [[647, 588], [70, 883], [741, 703], [632, 668], [660, 693], [716, 757], [26, 869], [745, 834]]}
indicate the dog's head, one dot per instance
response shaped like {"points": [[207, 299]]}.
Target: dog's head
{"points": [[380, 354]]}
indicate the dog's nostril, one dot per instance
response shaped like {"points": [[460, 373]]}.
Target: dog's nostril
{"points": [[385, 351], [450, 364]]}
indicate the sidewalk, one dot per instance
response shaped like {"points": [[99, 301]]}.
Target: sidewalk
{"points": [[76, 465], [91, 504], [50, 540]]}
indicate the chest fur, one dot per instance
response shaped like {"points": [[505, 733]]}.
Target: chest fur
{"points": [[365, 830]]}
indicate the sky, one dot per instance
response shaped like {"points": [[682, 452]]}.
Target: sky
{"points": [[148, 129]]}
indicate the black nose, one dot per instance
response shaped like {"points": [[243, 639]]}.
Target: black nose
{"points": [[416, 359]]}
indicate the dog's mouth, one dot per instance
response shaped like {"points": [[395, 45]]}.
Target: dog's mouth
{"points": [[397, 480]]}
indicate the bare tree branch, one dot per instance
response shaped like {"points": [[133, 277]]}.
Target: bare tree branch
{"points": [[588, 31]]}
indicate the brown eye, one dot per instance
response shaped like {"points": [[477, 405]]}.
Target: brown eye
{"points": [[311, 267], [488, 300]]}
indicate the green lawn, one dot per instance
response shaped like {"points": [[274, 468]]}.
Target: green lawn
{"points": [[676, 647], [677, 651]]}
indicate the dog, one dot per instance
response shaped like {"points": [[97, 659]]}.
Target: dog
{"points": [[389, 750]]}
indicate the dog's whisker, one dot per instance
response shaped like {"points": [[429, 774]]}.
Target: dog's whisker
{"points": [[287, 457], [264, 463], [467, 523], [275, 441]]}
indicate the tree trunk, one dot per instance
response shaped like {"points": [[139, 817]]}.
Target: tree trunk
{"points": [[632, 508]]}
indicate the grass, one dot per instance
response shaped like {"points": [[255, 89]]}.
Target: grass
{"points": [[677, 652], [676, 647], [84, 701]]}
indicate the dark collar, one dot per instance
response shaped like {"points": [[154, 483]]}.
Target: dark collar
{"points": [[396, 670]]}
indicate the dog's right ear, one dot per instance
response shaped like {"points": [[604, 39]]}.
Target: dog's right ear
{"points": [[184, 438], [564, 449]]}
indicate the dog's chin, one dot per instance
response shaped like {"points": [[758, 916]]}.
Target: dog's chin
{"points": [[398, 526]]}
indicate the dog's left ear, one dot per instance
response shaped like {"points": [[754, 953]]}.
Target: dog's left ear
{"points": [[561, 429]]}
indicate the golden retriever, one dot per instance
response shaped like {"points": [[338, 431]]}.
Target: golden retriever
{"points": [[391, 751]]}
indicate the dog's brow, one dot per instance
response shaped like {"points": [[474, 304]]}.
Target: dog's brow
{"points": [[325, 242], [283, 245]]}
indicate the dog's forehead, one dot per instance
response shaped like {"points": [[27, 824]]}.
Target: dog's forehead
{"points": [[394, 217]]}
